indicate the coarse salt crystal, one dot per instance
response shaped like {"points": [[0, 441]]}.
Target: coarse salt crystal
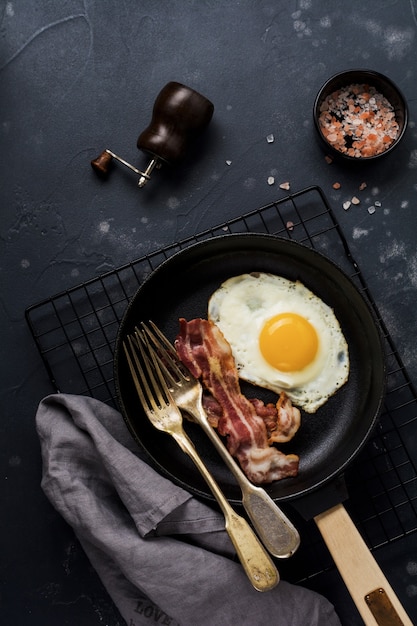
{"points": [[285, 186], [290, 225], [270, 138], [377, 203], [358, 121], [271, 180], [346, 205], [228, 163], [371, 210], [355, 200], [336, 185], [362, 186]]}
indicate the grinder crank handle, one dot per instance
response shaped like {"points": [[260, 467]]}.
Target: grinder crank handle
{"points": [[179, 115]]}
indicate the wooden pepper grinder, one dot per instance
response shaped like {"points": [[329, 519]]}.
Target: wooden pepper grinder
{"points": [[179, 115]]}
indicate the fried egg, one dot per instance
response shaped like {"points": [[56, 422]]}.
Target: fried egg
{"points": [[283, 337]]}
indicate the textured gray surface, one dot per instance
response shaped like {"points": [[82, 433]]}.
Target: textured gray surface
{"points": [[77, 77]]}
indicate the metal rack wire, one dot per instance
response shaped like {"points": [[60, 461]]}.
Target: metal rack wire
{"points": [[75, 331]]}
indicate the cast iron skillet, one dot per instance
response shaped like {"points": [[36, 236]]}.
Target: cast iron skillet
{"points": [[326, 442]]}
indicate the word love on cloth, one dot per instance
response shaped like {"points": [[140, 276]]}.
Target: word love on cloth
{"points": [[146, 609]]}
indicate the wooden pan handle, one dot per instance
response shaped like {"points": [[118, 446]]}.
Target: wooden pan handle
{"points": [[370, 590]]}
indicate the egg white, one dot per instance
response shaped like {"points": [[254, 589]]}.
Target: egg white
{"points": [[240, 308]]}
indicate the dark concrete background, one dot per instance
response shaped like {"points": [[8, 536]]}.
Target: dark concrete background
{"points": [[80, 76]]}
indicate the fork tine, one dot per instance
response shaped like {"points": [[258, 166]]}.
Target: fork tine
{"points": [[138, 374], [150, 397], [134, 370], [157, 332], [159, 355], [167, 353], [156, 366]]}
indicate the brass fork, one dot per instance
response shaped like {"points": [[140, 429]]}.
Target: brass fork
{"points": [[276, 531], [164, 414]]}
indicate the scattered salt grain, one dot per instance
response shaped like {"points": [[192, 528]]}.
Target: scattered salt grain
{"points": [[346, 205], [290, 225], [362, 186], [228, 163], [371, 210], [336, 185], [355, 200], [377, 203], [270, 138], [285, 186], [271, 180]]}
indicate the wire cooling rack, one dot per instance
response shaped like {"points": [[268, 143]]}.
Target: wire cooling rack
{"points": [[75, 332]]}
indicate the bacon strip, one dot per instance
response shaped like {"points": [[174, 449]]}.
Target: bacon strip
{"points": [[282, 420], [203, 349]]}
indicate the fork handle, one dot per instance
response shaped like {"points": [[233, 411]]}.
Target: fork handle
{"points": [[274, 528], [256, 562]]}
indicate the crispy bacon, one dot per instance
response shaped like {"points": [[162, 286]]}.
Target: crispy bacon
{"points": [[282, 420], [203, 349]]}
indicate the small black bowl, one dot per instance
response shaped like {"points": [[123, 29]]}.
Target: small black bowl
{"points": [[382, 85]]}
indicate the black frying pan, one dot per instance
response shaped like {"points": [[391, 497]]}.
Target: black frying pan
{"points": [[326, 442]]}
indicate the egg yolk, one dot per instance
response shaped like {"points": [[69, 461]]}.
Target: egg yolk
{"points": [[288, 342]]}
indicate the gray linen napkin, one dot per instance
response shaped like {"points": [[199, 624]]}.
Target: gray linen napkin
{"points": [[163, 556]]}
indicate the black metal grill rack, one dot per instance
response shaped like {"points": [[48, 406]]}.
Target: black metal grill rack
{"points": [[75, 331]]}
